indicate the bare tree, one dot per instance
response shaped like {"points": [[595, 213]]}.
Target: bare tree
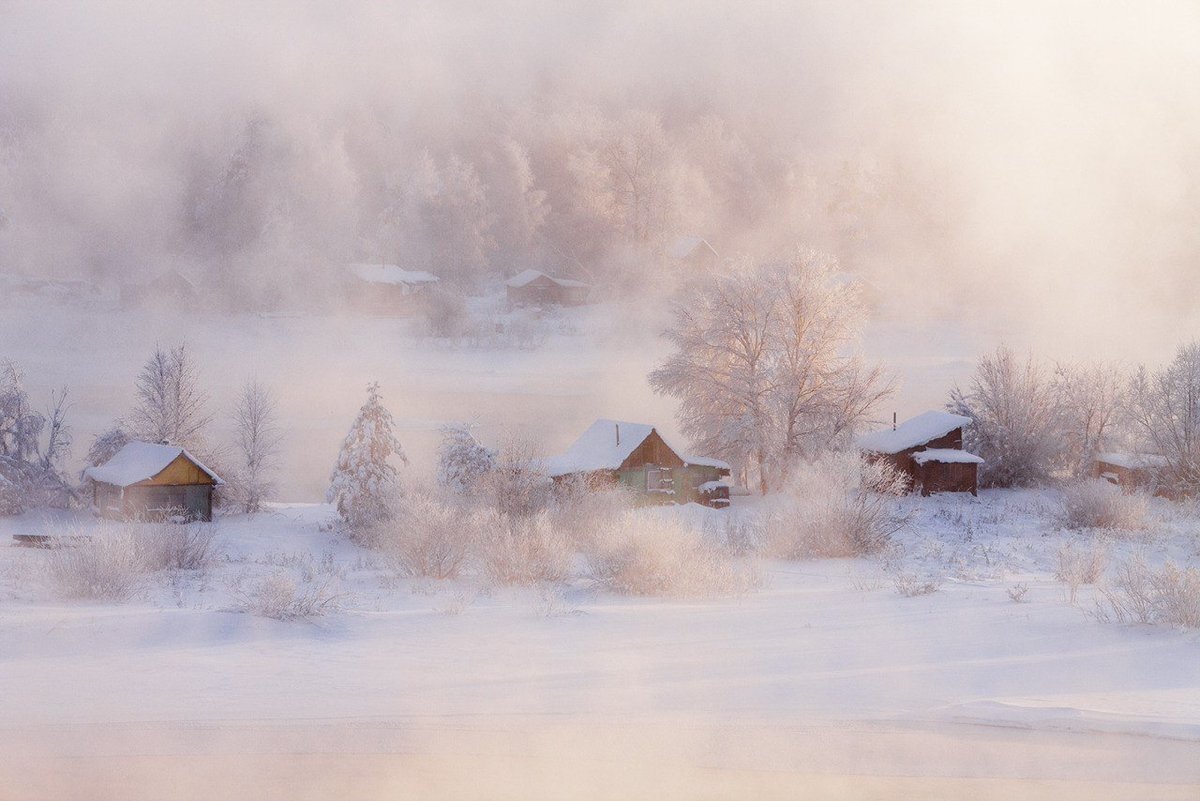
{"points": [[1164, 407], [257, 440], [171, 407], [760, 364], [1090, 398], [1015, 419]]}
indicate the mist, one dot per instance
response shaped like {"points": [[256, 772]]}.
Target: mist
{"points": [[1021, 170]]}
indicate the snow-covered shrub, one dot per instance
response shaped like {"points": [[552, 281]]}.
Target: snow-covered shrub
{"points": [[1137, 593], [1098, 504], [462, 461], [364, 480], [522, 549], [517, 484], [656, 554], [1080, 564], [911, 585], [110, 566], [837, 505], [431, 537], [1166, 418], [175, 547], [582, 513], [279, 596]]}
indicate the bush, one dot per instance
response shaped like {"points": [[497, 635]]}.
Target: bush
{"points": [[519, 549], [644, 554], [1138, 594], [582, 514], [112, 562], [837, 505], [1098, 504], [107, 567], [431, 537], [1078, 565], [445, 313], [280, 597]]}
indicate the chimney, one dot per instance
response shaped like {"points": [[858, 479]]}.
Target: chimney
{"points": [[893, 421], [618, 427]]}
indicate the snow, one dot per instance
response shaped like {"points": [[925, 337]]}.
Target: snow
{"points": [[946, 456], [824, 671], [139, 461], [709, 486], [1133, 461], [391, 274], [913, 432], [604, 446], [703, 461]]}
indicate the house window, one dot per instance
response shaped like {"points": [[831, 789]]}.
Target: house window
{"points": [[659, 479]]}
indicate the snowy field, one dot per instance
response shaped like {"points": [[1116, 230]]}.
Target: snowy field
{"points": [[826, 678]]}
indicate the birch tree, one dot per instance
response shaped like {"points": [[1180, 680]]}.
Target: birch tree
{"points": [[171, 405], [1164, 407], [257, 441]]}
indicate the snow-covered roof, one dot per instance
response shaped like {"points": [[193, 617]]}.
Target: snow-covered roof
{"points": [[685, 246], [946, 456], [912, 433], [139, 461], [390, 274], [1133, 461], [526, 277], [600, 448]]}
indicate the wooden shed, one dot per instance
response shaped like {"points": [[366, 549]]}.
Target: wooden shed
{"points": [[144, 481], [385, 289], [635, 456], [533, 288], [929, 450], [1131, 471]]}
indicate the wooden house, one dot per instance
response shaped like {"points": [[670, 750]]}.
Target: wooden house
{"points": [[693, 252], [384, 289], [1131, 471], [533, 288], [636, 457], [146, 481], [929, 450]]}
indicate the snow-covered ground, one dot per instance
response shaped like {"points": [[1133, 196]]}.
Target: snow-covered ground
{"points": [[826, 679]]}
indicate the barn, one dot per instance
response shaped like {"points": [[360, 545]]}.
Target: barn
{"points": [[928, 449], [1130, 471], [533, 288], [147, 481], [384, 289], [636, 457]]}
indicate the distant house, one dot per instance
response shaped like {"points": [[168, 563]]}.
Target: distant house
{"points": [[148, 481], [929, 450], [384, 288], [693, 252], [1130, 471], [533, 288], [636, 457], [169, 287]]}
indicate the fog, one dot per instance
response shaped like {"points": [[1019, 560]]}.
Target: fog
{"points": [[1024, 170]]}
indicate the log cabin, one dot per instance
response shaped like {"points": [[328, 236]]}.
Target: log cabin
{"points": [[385, 289], [634, 456], [144, 481], [533, 288], [929, 450]]}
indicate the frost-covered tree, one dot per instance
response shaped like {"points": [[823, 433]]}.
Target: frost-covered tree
{"points": [[1016, 420], [364, 480], [106, 444], [762, 364], [1164, 408], [33, 446], [1090, 398], [462, 461], [171, 405], [257, 437], [20, 424]]}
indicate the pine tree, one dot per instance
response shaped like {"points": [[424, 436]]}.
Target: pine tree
{"points": [[364, 479], [462, 461]]}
